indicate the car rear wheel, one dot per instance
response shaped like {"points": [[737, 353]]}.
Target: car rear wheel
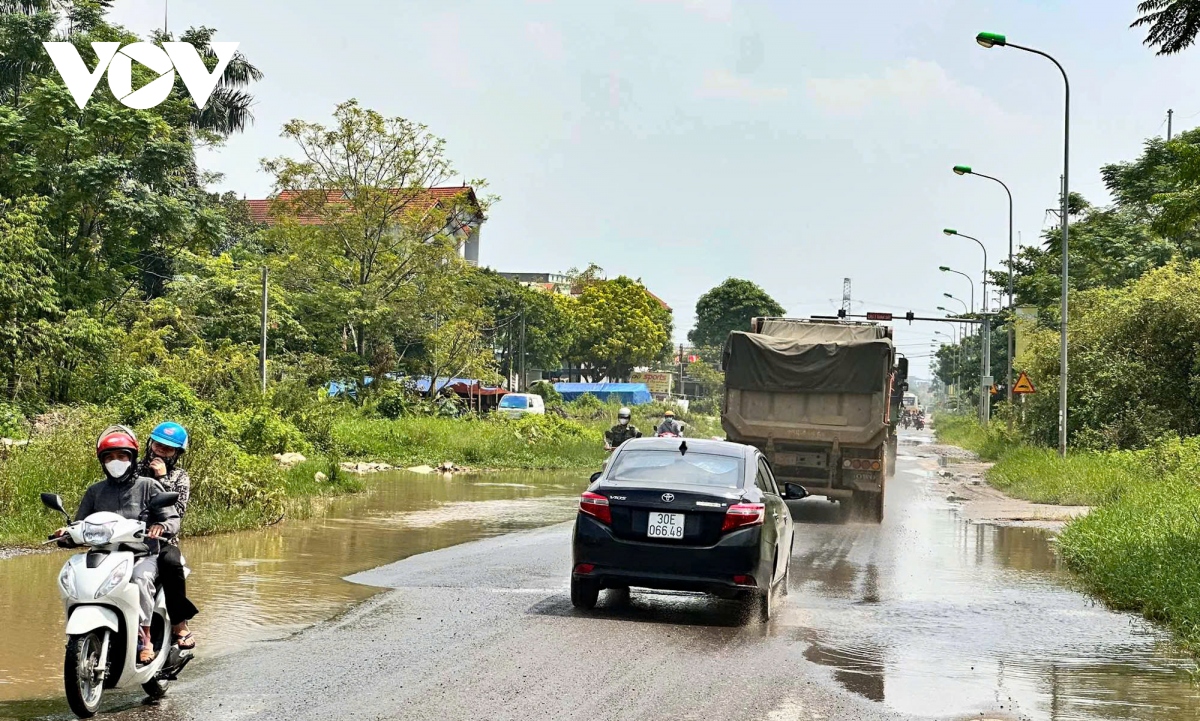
{"points": [[584, 593]]}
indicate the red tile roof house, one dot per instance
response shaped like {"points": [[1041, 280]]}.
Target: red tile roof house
{"points": [[463, 219]]}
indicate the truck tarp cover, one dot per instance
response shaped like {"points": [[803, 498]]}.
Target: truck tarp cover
{"points": [[820, 332], [755, 362]]}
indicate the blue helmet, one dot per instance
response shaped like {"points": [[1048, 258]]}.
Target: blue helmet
{"points": [[170, 434]]}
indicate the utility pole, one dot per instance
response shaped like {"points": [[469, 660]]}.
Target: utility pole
{"points": [[845, 298], [1169, 118], [681, 394], [985, 380], [522, 381], [262, 348]]}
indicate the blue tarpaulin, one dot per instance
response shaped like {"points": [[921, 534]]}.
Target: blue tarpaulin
{"points": [[634, 394]]}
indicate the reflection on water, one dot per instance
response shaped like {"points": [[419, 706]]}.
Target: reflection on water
{"points": [[268, 583], [939, 618]]}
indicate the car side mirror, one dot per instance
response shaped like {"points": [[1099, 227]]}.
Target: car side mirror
{"points": [[54, 502], [595, 476], [164, 499], [794, 491]]}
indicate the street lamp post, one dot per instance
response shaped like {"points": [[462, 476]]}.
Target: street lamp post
{"points": [[947, 269], [985, 339], [990, 40], [960, 300], [966, 170], [952, 231]]}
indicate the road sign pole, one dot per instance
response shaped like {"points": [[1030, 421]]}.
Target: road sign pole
{"points": [[985, 362]]}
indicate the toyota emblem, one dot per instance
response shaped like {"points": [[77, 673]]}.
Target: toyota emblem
{"points": [[668, 497]]}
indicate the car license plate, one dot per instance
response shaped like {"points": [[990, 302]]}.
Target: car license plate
{"points": [[665, 525]]}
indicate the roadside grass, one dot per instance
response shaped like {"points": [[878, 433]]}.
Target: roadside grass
{"points": [[1082, 479], [1142, 554], [965, 432], [527, 442]]}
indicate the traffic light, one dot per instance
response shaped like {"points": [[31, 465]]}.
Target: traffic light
{"points": [[841, 312], [909, 317]]}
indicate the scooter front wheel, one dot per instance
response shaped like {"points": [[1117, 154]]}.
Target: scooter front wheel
{"points": [[82, 677]]}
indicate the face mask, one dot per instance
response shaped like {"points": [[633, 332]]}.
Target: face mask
{"points": [[116, 468], [623, 421]]}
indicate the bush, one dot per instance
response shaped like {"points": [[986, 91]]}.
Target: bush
{"points": [[396, 401], [262, 431], [158, 396], [546, 390], [12, 421]]}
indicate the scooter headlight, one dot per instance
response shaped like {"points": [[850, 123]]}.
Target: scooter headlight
{"points": [[66, 580], [114, 579], [98, 534]]}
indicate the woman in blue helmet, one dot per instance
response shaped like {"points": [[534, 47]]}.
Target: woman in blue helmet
{"points": [[168, 442]]}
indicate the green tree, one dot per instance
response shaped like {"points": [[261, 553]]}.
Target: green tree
{"points": [[619, 326], [1172, 24], [728, 307], [358, 226], [29, 306], [547, 329]]}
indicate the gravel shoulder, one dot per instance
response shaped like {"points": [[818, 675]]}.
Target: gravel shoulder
{"points": [[963, 477]]}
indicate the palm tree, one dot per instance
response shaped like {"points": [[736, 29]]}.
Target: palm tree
{"points": [[228, 109]]}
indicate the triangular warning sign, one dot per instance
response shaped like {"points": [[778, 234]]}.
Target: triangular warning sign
{"points": [[1023, 384]]}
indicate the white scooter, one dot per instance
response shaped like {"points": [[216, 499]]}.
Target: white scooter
{"points": [[103, 610]]}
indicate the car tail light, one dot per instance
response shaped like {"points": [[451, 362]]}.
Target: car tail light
{"points": [[875, 465], [596, 506], [741, 515], [745, 580], [584, 569]]}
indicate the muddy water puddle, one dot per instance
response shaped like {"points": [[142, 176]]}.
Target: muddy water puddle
{"points": [[268, 583], [939, 618]]}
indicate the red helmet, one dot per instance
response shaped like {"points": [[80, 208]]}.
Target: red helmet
{"points": [[117, 440]]}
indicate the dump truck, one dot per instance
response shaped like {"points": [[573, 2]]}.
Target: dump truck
{"points": [[821, 400]]}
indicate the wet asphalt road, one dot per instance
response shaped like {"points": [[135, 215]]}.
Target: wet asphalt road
{"points": [[922, 617]]}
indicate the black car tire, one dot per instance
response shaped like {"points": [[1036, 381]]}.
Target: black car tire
{"points": [[584, 594]]}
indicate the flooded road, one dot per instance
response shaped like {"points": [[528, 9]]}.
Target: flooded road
{"points": [[924, 617], [938, 618], [264, 584]]}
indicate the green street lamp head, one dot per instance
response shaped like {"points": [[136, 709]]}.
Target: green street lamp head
{"points": [[962, 169], [949, 231], [988, 40], [944, 268], [941, 308], [949, 296]]}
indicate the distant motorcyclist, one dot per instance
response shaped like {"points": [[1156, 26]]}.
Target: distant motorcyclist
{"points": [[670, 424], [126, 493], [168, 442], [622, 431]]}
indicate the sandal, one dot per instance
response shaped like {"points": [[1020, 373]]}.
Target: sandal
{"points": [[146, 655], [185, 641]]}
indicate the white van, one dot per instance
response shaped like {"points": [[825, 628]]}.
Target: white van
{"points": [[515, 405]]}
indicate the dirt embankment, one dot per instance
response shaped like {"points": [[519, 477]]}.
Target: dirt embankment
{"points": [[962, 476]]}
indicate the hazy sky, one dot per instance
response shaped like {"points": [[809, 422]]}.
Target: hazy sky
{"points": [[792, 143]]}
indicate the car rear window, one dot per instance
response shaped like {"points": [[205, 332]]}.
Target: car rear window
{"points": [[514, 402], [703, 469]]}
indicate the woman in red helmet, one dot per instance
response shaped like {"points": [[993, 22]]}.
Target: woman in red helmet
{"points": [[126, 493]]}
